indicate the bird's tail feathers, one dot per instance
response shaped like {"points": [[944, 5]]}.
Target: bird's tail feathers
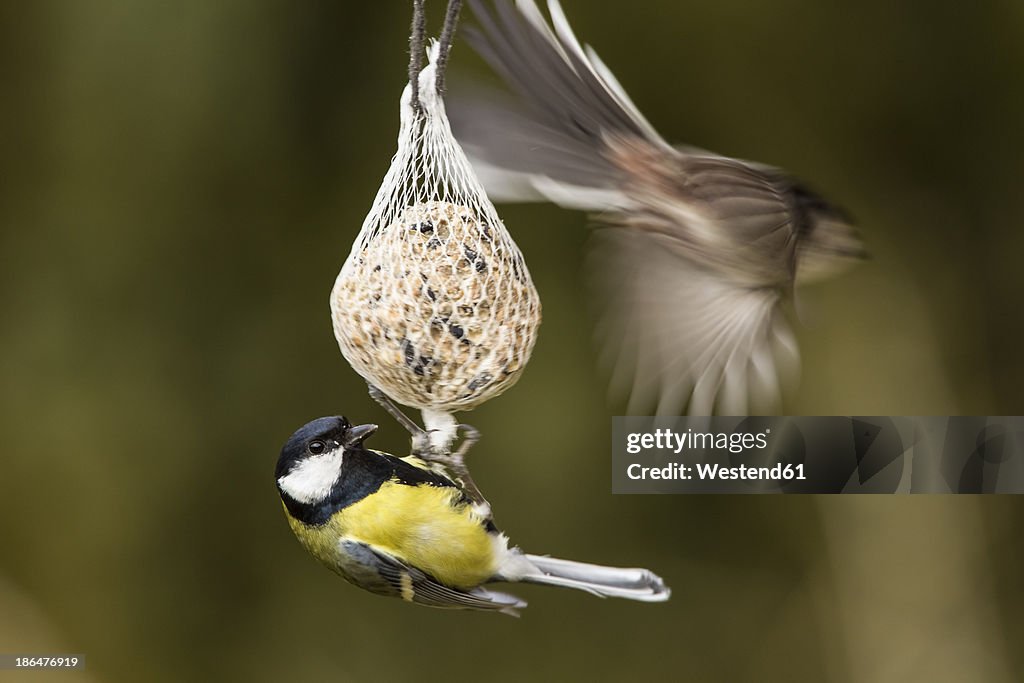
{"points": [[606, 582]]}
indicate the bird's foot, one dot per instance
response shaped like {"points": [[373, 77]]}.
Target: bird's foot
{"points": [[456, 464]]}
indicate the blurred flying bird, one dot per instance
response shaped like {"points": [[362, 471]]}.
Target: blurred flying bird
{"points": [[693, 252]]}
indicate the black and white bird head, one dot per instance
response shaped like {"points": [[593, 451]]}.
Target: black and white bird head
{"points": [[311, 462]]}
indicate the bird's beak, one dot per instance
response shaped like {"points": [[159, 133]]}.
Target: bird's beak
{"points": [[358, 434]]}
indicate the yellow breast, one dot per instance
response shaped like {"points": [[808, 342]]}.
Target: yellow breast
{"points": [[424, 526]]}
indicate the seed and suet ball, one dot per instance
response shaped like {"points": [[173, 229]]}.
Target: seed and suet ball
{"points": [[437, 309]]}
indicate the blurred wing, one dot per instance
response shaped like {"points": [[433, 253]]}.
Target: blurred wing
{"points": [[552, 147], [720, 213], [676, 336], [390, 576], [521, 160]]}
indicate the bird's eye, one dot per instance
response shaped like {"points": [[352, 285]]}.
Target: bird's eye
{"points": [[316, 447]]}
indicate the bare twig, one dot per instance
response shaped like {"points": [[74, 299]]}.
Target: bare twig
{"points": [[416, 38], [451, 20]]}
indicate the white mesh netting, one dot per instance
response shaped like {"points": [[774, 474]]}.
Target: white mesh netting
{"points": [[434, 304]]}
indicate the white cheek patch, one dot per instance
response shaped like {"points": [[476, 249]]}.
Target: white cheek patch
{"points": [[311, 481]]}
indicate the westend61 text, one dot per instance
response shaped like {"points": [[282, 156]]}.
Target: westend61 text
{"points": [[706, 471]]}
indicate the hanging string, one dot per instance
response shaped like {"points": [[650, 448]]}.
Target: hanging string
{"points": [[451, 19], [416, 38]]}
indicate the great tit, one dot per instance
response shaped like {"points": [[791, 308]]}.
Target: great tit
{"points": [[397, 526], [694, 251]]}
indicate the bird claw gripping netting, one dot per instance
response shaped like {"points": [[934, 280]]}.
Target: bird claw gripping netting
{"points": [[434, 304]]}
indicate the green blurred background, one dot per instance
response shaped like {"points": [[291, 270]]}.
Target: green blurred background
{"points": [[181, 181]]}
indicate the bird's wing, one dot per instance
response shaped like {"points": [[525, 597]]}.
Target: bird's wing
{"points": [[552, 146], [385, 574], [689, 282], [678, 336], [722, 214]]}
